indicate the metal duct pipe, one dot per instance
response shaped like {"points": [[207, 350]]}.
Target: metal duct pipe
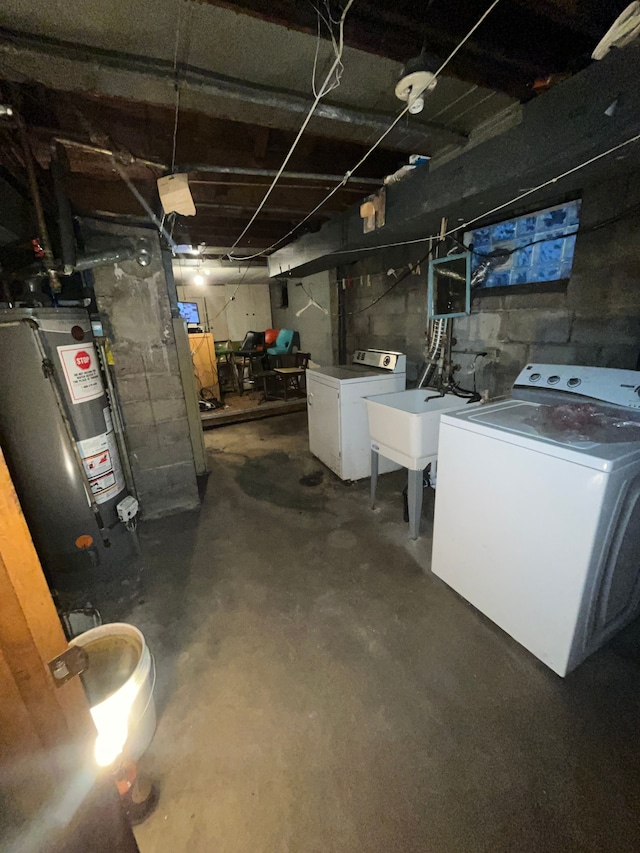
{"points": [[101, 259], [28, 51], [141, 253], [65, 219], [143, 202]]}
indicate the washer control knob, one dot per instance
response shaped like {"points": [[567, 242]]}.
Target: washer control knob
{"points": [[535, 377], [553, 380], [573, 382]]}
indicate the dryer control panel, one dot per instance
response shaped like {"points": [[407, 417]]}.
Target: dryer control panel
{"points": [[394, 362]]}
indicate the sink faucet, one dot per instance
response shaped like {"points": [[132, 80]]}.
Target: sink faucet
{"points": [[434, 397]]}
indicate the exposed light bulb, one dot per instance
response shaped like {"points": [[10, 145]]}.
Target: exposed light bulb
{"points": [[417, 106], [198, 279]]}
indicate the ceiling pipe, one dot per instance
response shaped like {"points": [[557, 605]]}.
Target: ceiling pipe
{"points": [[29, 163], [271, 173], [218, 170], [235, 209]]}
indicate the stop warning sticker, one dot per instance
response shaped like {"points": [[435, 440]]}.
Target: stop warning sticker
{"points": [[80, 368]]}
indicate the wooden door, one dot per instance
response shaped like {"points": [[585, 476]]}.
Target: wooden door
{"points": [[52, 796]]}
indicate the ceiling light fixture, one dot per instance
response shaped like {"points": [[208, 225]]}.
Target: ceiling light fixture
{"points": [[416, 79], [198, 279]]}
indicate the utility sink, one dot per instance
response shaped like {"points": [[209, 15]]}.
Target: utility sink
{"points": [[404, 425]]}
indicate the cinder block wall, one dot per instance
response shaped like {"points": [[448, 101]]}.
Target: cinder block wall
{"points": [[133, 302], [594, 319], [398, 320], [313, 325]]}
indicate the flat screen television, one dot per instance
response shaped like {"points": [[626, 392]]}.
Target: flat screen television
{"points": [[189, 312]]}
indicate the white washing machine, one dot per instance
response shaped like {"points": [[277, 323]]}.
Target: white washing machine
{"points": [[537, 515], [338, 425]]}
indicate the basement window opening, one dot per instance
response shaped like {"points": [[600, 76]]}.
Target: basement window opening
{"points": [[537, 247]]}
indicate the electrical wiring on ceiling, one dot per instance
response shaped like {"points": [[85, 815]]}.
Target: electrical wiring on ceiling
{"points": [[336, 50], [493, 210], [321, 93], [368, 153]]}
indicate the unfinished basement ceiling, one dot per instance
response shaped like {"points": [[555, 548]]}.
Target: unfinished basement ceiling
{"points": [[96, 72]]}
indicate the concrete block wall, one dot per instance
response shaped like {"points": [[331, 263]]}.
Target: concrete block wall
{"points": [[592, 319], [134, 306], [397, 321], [313, 325]]}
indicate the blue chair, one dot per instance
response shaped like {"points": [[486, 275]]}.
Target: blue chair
{"points": [[285, 342]]}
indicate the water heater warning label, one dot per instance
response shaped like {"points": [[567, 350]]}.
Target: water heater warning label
{"points": [[80, 368], [102, 465]]}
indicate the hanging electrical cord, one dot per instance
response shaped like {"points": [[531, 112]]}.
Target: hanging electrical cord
{"points": [[309, 115], [400, 278], [176, 86], [368, 153], [233, 295], [176, 75]]}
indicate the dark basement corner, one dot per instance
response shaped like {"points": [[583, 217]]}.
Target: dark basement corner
{"points": [[320, 427]]}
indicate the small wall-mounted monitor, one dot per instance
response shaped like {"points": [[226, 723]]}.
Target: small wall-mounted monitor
{"points": [[189, 312]]}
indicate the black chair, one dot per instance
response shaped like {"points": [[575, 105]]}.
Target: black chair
{"points": [[253, 342], [251, 349]]}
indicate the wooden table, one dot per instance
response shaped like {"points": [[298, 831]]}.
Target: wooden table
{"points": [[290, 378]]}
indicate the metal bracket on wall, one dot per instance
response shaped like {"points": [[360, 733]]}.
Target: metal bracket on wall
{"points": [[68, 665]]}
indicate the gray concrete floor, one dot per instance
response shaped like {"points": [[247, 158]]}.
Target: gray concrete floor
{"points": [[318, 690]]}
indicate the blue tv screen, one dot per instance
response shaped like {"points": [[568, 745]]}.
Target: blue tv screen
{"points": [[189, 311]]}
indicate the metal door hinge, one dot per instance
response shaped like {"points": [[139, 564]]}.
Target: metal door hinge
{"points": [[70, 663]]}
